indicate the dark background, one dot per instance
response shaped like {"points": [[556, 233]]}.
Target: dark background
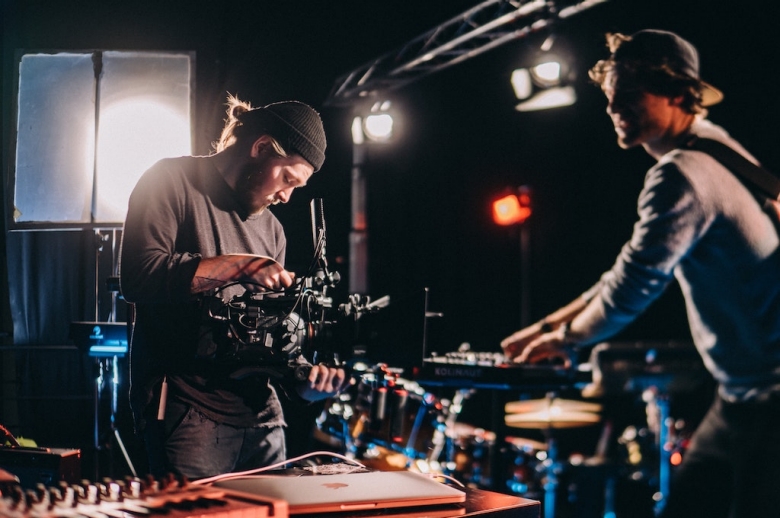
{"points": [[460, 144]]}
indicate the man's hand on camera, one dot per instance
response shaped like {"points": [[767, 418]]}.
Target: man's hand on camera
{"points": [[253, 271], [323, 382]]}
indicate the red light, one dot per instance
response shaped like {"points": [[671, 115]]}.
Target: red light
{"points": [[675, 459], [511, 209]]}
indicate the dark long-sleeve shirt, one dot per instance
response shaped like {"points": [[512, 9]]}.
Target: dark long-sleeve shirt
{"points": [[180, 211]]}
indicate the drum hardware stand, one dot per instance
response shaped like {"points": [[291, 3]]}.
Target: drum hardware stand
{"points": [[419, 418], [350, 448], [552, 468], [610, 482], [609, 497], [658, 409], [440, 436], [107, 365]]}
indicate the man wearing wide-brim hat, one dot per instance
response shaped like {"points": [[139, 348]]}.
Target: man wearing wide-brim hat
{"points": [[700, 225]]}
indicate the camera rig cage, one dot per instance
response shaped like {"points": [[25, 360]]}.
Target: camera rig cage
{"points": [[282, 333]]}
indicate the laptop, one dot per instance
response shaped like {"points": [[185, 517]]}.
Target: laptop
{"points": [[347, 492]]}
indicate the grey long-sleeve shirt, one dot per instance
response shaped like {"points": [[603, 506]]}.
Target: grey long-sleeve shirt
{"points": [[700, 225]]}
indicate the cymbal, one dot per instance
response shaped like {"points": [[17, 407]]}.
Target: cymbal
{"points": [[464, 430], [552, 418], [521, 443], [540, 405]]}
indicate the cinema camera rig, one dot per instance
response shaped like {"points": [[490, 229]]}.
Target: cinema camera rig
{"points": [[282, 333]]}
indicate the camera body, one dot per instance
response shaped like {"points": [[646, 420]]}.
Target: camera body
{"points": [[287, 330]]}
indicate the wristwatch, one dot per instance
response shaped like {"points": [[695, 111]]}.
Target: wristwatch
{"points": [[571, 349], [545, 326]]}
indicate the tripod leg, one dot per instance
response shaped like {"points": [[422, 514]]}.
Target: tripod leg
{"points": [[124, 452], [114, 365]]}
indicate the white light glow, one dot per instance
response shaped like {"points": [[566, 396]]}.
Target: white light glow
{"points": [[357, 131], [379, 126], [133, 135], [547, 74], [521, 83], [551, 98]]}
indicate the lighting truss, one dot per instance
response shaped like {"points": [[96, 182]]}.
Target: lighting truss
{"points": [[482, 28]]}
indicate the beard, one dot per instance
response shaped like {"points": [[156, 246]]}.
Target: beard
{"points": [[249, 189]]}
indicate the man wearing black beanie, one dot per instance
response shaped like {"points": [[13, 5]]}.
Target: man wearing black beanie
{"points": [[198, 230]]}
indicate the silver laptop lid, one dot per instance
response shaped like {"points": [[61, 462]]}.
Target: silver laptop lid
{"points": [[345, 492]]}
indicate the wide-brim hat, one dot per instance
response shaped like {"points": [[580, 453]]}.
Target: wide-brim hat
{"points": [[658, 48]]}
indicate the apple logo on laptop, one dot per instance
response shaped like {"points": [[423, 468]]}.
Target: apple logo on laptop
{"points": [[335, 485]]}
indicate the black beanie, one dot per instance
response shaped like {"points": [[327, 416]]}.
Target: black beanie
{"points": [[297, 127]]}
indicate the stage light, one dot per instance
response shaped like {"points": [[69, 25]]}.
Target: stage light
{"points": [[521, 83], [543, 84], [375, 125], [378, 124], [551, 98], [379, 127], [512, 209], [547, 73], [358, 137]]}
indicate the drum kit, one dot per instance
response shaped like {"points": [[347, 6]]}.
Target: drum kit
{"points": [[391, 423]]}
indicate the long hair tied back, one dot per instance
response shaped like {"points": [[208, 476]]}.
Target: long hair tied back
{"points": [[235, 108]]}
